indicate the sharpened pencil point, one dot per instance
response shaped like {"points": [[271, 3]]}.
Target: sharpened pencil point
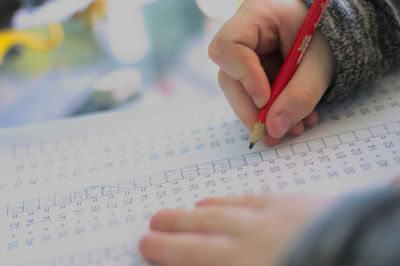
{"points": [[259, 130]]}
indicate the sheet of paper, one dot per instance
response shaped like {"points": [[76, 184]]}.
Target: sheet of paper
{"points": [[81, 192]]}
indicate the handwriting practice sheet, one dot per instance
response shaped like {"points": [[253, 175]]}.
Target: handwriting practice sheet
{"points": [[82, 191]]}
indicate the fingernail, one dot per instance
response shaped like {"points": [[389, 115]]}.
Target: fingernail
{"points": [[146, 244], [283, 123], [158, 218], [201, 203], [204, 202]]}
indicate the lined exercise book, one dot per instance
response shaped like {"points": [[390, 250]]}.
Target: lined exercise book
{"points": [[81, 192]]}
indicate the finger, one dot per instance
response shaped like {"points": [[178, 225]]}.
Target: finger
{"points": [[188, 249], [235, 52], [303, 91], [297, 130], [256, 201], [311, 120], [270, 141], [238, 98], [243, 65], [213, 219]]}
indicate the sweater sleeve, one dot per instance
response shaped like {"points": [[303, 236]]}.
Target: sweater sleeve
{"points": [[361, 231], [364, 36]]}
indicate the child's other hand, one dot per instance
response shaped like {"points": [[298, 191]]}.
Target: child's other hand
{"points": [[251, 230], [249, 50]]}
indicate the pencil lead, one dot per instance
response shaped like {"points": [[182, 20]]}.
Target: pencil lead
{"points": [[251, 145]]}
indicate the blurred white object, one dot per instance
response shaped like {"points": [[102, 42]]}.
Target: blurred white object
{"points": [[116, 87], [49, 12], [56, 11], [218, 9], [125, 30], [123, 34]]}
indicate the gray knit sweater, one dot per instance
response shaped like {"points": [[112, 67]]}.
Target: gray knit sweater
{"points": [[364, 36], [364, 230]]}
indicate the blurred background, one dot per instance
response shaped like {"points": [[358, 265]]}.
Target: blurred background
{"points": [[67, 58]]}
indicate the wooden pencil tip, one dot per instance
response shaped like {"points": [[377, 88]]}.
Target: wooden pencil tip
{"points": [[259, 130], [251, 145]]}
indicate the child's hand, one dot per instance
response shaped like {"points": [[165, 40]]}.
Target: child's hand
{"points": [[249, 50], [251, 230]]}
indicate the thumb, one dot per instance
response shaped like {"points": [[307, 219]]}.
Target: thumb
{"points": [[304, 90], [291, 107]]}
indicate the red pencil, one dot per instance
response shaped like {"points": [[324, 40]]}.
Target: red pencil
{"points": [[290, 64]]}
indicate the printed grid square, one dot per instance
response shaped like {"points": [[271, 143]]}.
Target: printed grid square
{"points": [[347, 137], [284, 151], [269, 155], [300, 148], [237, 161], [206, 168], [332, 141], [35, 150], [253, 158], [20, 152], [393, 127], [378, 131], [316, 144], [49, 147], [363, 134]]}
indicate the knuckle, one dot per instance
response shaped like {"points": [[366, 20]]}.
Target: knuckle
{"points": [[206, 218], [215, 49], [262, 10], [246, 78], [251, 90], [309, 97]]}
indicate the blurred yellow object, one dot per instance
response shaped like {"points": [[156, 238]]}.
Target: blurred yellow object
{"points": [[97, 9], [239, 3], [11, 38]]}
